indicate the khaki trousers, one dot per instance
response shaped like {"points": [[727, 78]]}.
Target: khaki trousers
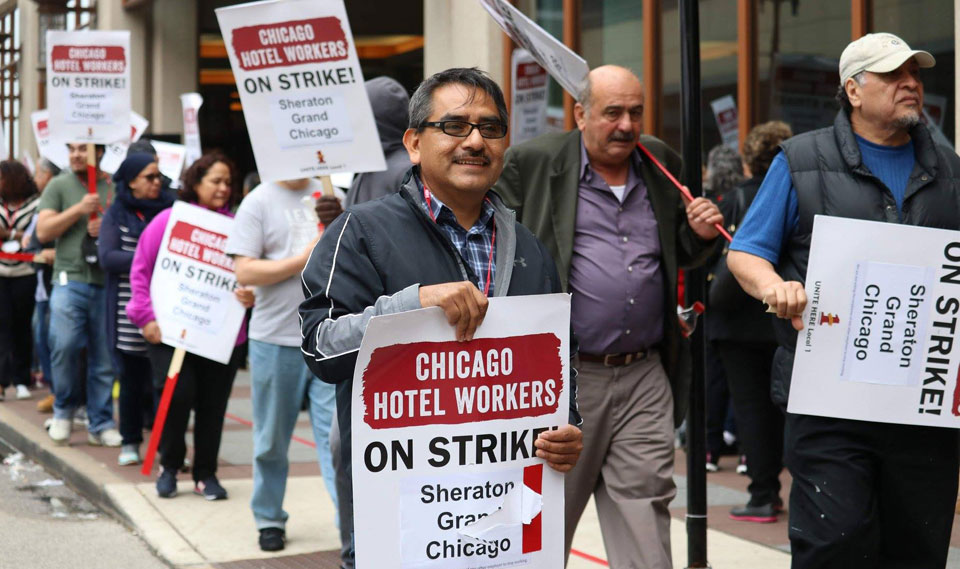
{"points": [[627, 461]]}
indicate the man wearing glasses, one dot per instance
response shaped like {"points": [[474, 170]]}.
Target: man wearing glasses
{"points": [[444, 239], [618, 231]]}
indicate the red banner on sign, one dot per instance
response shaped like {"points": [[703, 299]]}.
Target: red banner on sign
{"points": [[200, 245], [88, 59], [530, 75], [317, 40], [449, 383]]}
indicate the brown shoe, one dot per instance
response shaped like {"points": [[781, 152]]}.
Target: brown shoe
{"points": [[45, 405]]}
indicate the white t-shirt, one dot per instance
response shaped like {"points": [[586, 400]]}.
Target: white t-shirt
{"points": [[274, 223], [619, 191]]}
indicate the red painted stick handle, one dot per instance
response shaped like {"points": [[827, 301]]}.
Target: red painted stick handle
{"points": [[173, 373], [686, 193], [92, 173], [27, 257]]}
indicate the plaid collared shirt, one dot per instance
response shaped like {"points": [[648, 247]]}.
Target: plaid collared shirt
{"points": [[475, 245]]}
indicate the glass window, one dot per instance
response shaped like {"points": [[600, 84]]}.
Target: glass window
{"points": [[927, 25], [549, 14], [718, 66], [612, 34], [799, 46]]}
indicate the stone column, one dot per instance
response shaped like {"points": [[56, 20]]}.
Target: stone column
{"points": [[174, 65], [461, 34]]}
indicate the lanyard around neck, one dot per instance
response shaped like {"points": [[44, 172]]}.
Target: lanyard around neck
{"points": [[493, 238], [11, 218]]}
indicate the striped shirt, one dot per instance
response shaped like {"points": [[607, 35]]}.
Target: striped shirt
{"points": [[475, 245], [18, 218], [129, 338]]}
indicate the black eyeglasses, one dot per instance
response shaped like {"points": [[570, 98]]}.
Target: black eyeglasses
{"points": [[462, 129]]}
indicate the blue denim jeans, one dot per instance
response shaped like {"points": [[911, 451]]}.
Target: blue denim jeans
{"points": [[279, 381], [41, 334], [77, 321]]}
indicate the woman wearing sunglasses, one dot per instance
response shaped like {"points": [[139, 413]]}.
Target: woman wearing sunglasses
{"points": [[139, 198]]}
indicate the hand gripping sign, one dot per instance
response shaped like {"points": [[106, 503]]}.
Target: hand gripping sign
{"points": [[443, 437], [880, 326], [88, 86], [302, 91]]}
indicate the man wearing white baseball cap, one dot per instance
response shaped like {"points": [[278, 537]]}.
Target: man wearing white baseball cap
{"points": [[864, 495]]}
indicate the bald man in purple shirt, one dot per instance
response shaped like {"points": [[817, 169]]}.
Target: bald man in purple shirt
{"points": [[618, 231]]}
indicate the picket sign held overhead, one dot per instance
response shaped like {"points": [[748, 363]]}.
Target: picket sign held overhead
{"points": [[563, 64], [88, 85], [728, 121], [171, 160], [443, 435], [191, 103], [528, 114], [300, 83], [54, 147], [193, 282], [880, 327]]}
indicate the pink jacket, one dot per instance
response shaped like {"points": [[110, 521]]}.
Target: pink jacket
{"points": [[140, 307]]}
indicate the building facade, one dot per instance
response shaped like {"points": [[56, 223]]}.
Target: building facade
{"points": [[777, 59]]}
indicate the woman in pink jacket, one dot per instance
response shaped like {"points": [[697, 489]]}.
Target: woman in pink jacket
{"points": [[204, 385]]}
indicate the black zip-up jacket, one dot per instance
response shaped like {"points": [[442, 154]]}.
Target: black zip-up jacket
{"points": [[373, 259]]}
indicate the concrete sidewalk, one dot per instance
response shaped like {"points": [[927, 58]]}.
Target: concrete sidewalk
{"points": [[190, 532]]}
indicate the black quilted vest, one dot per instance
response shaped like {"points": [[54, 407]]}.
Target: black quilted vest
{"points": [[830, 179]]}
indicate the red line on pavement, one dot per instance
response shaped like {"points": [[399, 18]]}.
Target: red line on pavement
{"points": [[589, 557], [233, 417]]}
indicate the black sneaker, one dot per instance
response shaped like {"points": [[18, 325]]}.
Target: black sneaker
{"points": [[167, 483], [272, 539], [764, 514], [210, 489]]}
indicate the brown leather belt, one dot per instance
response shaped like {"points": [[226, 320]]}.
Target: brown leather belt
{"points": [[615, 360]]}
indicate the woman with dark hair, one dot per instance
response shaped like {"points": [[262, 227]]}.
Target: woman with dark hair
{"points": [[204, 385], [18, 280], [139, 198]]}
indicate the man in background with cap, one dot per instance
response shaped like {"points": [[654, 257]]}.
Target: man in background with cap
{"points": [[864, 494]]}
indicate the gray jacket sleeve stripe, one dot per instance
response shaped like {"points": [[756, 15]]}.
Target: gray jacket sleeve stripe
{"points": [[340, 336], [340, 333]]}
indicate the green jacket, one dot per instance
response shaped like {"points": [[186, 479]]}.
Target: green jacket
{"points": [[540, 181]]}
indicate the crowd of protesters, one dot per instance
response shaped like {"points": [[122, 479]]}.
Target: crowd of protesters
{"points": [[83, 310]]}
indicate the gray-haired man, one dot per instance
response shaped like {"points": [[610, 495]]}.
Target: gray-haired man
{"points": [[864, 494]]}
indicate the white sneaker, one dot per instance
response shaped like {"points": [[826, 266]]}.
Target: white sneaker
{"points": [[129, 454], [23, 392], [80, 417], [105, 438], [60, 431]]}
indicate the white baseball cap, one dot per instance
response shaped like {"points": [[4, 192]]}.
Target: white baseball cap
{"points": [[879, 53]]}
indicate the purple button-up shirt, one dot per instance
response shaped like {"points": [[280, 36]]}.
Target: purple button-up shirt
{"points": [[615, 275]]}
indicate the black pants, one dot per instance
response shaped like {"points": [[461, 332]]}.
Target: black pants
{"points": [[760, 422], [136, 395], [870, 495], [718, 409], [16, 332], [204, 386]]}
